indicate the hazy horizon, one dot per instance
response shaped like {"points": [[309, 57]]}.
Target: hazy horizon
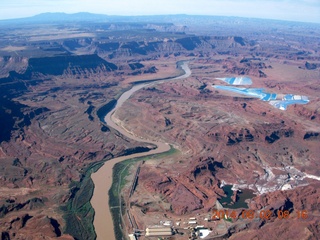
{"points": [[289, 10]]}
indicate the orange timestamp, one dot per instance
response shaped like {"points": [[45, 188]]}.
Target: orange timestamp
{"points": [[262, 214]]}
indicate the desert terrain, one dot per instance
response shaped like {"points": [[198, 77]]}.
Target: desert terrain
{"points": [[223, 140], [58, 80]]}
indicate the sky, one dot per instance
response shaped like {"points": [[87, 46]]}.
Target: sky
{"points": [[292, 10]]}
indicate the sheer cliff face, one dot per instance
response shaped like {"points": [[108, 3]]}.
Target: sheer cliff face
{"points": [[51, 132], [58, 59], [166, 46], [12, 63], [50, 136]]}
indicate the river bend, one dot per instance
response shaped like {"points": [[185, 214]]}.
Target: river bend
{"points": [[102, 179]]}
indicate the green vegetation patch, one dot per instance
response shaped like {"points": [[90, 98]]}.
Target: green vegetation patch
{"points": [[120, 171], [79, 213]]}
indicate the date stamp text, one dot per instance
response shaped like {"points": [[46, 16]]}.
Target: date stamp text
{"points": [[262, 214]]}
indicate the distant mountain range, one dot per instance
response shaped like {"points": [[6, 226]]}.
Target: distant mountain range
{"points": [[175, 18]]}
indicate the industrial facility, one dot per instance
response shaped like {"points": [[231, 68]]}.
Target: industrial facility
{"points": [[161, 231]]}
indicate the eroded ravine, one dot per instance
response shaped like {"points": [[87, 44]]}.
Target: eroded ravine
{"points": [[102, 179]]}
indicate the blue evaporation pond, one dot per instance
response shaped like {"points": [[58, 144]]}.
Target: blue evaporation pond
{"points": [[283, 104], [237, 80], [260, 93], [252, 92], [269, 97], [295, 97]]}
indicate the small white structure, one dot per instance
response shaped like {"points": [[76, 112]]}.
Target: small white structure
{"points": [[199, 227], [204, 232], [132, 237], [152, 232], [286, 186], [192, 222], [166, 223]]}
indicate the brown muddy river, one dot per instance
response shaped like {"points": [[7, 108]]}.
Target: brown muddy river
{"points": [[102, 179]]}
